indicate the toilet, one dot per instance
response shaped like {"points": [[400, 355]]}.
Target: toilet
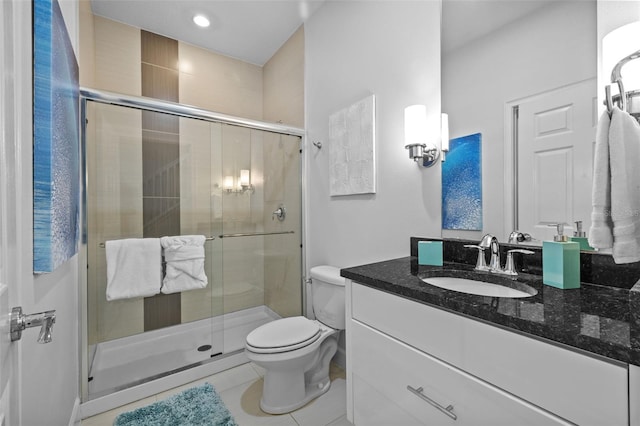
{"points": [[296, 351]]}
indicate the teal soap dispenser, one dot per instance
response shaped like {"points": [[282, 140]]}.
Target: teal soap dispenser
{"points": [[561, 261], [580, 237]]}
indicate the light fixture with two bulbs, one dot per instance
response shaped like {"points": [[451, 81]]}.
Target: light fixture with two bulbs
{"points": [[244, 183]]}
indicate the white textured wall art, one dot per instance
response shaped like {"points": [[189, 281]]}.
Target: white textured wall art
{"points": [[352, 149]]}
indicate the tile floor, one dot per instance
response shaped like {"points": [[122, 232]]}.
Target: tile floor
{"points": [[241, 388]]}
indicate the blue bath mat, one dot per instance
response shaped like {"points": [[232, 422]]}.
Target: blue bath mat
{"points": [[201, 406]]}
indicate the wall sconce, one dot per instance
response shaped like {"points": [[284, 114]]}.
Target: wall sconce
{"points": [[227, 184], [244, 183], [415, 136], [444, 135]]}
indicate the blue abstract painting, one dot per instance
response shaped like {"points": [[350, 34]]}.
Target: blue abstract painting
{"points": [[56, 139], [462, 184]]}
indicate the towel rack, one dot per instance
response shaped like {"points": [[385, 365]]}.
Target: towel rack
{"points": [[255, 234], [102, 245], [626, 101]]}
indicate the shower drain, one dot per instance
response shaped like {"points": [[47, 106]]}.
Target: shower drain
{"points": [[204, 348]]}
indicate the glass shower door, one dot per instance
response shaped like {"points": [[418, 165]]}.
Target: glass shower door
{"points": [[149, 175], [262, 251]]}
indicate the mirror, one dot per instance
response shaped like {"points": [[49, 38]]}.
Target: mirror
{"points": [[513, 71]]}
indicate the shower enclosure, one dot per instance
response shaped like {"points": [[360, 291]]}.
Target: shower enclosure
{"points": [[153, 169]]}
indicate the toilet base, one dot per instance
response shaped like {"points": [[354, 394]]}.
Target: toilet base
{"points": [[289, 384], [311, 393]]}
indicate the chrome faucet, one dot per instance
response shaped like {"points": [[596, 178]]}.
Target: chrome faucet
{"points": [[485, 243], [491, 242], [518, 237]]}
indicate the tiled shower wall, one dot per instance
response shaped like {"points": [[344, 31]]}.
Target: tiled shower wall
{"points": [[114, 58]]}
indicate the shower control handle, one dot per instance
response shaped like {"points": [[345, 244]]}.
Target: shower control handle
{"points": [[280, 213], [20, 321]]}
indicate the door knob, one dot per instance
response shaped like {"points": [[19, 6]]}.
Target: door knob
{"points": [[20, 321]]}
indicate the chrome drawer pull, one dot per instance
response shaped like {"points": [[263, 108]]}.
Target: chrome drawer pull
{"points": [[448, 410]]}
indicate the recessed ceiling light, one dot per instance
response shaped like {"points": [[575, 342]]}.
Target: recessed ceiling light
{"points": [[201, 21]]}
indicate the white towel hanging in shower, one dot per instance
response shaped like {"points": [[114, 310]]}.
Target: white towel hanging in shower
{"points": [[184, 257], [134, 268]]}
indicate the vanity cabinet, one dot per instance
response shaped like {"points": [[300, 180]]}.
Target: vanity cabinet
{"points": [[409, 363]]}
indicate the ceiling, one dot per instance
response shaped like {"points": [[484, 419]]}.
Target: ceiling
{"points": [[249, 30], [253, 30], [467, 20]]}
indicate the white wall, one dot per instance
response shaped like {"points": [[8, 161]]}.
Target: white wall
{"points": [[390, 49], [551, 48], [49, 372]]}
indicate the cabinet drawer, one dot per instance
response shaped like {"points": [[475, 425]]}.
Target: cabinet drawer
{"points": [[383, 368], [577, 387], [434, 331]]}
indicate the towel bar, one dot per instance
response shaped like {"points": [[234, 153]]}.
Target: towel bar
{"points": [[102, 245], [255, 234]]}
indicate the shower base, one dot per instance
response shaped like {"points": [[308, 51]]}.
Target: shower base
{"points": [[129, 361]]}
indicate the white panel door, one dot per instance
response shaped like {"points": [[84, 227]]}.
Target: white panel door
{"points": [[556, 136], [9, 271]]}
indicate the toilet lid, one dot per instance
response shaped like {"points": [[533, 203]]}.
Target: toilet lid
{"points": [[285, 334]]}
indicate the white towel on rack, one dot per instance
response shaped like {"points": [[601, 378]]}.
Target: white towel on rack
{"points": [[184, 257], [601, 230], [624, 152], [134, 268]]}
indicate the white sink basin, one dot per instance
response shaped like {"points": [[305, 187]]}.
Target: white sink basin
{"points": [[480, 288]]}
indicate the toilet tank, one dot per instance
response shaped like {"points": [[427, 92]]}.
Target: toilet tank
{"points": [[327, 294]]}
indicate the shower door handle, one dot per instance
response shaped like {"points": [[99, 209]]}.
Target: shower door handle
{"points": [[280, 213]]}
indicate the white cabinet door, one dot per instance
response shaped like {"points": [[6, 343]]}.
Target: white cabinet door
{"points": [[384, 369]]}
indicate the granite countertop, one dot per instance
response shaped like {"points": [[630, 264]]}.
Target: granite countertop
{"points": [[599, 319]]}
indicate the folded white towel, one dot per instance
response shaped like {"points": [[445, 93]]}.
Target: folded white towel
{"points": [[601, 230], [624, 152], [184, 256], [134, 268]]}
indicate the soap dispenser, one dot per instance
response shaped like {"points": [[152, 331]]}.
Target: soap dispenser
{"points": [[561, 261], [580, 237]]}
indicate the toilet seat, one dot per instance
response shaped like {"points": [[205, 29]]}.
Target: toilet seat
{"points": [[283, 335]]}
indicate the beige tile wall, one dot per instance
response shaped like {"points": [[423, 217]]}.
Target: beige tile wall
{"points": [[198, 166], [114, 200], [87, 44], [243, 262], [283, 282], [117, 57], [114, 193], [219, 83], [283, 81]]}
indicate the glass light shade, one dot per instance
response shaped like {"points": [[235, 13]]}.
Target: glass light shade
{"points": [[616, 45], [245, 178], [444, 132], [228, 182], [415, 124]]}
